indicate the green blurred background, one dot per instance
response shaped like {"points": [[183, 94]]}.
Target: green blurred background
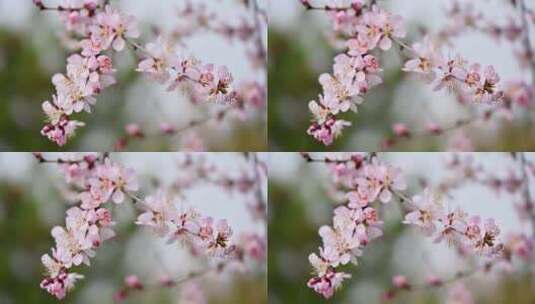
{"points": [[31, 204], [31, 51], [299, 206], [299, 51]]}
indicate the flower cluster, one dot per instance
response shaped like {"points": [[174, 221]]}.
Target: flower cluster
{"points": [[355, 71], [205, 81], [363, 28], [356, 223], [102, 30], [88, 225], [470, 235], [95, 180], [205, 236], [167, 61], [90, 71], [470, 80], [361, 180]]}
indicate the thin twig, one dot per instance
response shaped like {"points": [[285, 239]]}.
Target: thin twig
{"points": [[258, 181], [259, 31], [401, 196], [135, 198], [527, 40], [527, 191], [459, 124], [327, 160]]}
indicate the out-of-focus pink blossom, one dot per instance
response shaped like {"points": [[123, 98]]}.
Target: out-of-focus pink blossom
{"points": [[400, 282], [459, 294]]}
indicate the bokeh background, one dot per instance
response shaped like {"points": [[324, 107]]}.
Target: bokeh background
{"points": [[299, 51], [31, 51], [31, 204], [299, 205]]}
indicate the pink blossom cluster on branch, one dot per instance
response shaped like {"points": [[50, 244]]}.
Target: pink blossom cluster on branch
{"points": [[96, 180], [102, 30], [517, 96], [165, 64], [365, 27], [470, 234], [201, 233], [162, 62], [356, 223], [361, 181], [87, 225]]}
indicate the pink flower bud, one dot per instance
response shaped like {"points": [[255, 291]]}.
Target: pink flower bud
{"points": [[306, 4], [401, 130], [39, 4], [387, 143], [167, 128], [389, 295], [433, 128], [90, 5], [120, 296], [400, 282], [433, 280], [132, 281], [167, 281], [134, 130]]}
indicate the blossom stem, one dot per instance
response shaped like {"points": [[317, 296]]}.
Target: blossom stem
{"points": [[188, 277], [40, 5], [310, 7], [136, 46], [310, 159], [41, 159], [401, 196], [403, 44], [194, 275], [457, 277], [171, 283], [199, 122], [188, 126], [461, 123], [135, 198], [327, 160], [461, 275]]}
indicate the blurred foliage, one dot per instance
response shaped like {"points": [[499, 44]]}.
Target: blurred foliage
{"points": [[23, 86], [293, 235], [25, 83], [25, 236]]}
